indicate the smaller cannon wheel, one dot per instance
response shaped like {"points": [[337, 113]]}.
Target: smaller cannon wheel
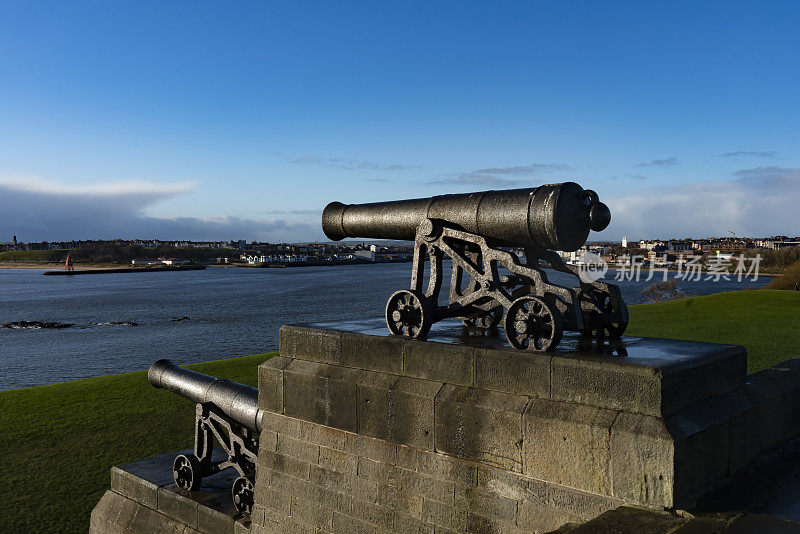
{"points": [[409, 314], [488, 320], [614, 330], [533, 324], [242, 493], [187, 471]]}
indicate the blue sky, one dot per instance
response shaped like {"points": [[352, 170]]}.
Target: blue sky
{"points": [[212, 120]]}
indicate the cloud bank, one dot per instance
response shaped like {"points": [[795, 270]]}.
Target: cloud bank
{"points": [[667, 162], [350, 164], [498, 176], [741, 153], [759, 202], [39, 210]]}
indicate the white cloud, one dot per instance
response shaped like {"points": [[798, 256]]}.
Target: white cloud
{"points": [[37, 210], [761, 202]]}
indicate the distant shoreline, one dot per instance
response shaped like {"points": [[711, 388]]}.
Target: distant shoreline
{"points": [[58, 265]]}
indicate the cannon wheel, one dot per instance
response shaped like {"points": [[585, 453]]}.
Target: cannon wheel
{"points": [[488, 320], [242, 493], [533, 324], [409, 313], [615, 329], [187, 471]]}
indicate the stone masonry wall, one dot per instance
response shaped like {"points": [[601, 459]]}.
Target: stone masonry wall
{"points": [[314, 478], [374, 433]]}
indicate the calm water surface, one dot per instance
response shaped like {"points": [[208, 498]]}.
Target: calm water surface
{"points": [[231, 311]]}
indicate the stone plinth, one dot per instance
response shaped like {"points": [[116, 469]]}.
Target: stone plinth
{"points": [[369, 432], [143, 498]]}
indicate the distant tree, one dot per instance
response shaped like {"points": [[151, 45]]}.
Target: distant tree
{"points": [[787, 279], [661, 291]]}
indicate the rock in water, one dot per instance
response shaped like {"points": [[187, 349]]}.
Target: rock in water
{"points": [[35, 325]]}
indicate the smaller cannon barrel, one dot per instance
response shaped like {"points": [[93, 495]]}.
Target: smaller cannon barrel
{"points": [[237, 401]]}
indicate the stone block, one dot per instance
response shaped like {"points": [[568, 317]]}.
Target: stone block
{"points": [[338, 461], [310, 344], [378, 472], [270, 383], [510, 371], [345, 524], [436, 465], [177, 506], [214, 520], [350, 485], [606, 384], [427, 487], [397, 408], [780, 391], [642, 460], [136, 488], [486, 504], [581, 504], [297, 448], [538, 517], [443, 515], [375, 353], [568, 444], [701, 434], [325, 436], [658, 377], [400, 501], [406, 524], [312, 514], [374, 514], [741, 406], [284, 463], [321, 393], [441, 362], [273, 500], [376, 449], [146, 519], [480, 425], [721, 368]]}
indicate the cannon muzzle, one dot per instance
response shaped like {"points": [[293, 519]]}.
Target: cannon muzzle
{"points": [[555, 216], [237, 401]]}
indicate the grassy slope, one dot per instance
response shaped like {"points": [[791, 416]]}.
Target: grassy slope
{"points": [[765, 322], [58, 442], [33, 255]]}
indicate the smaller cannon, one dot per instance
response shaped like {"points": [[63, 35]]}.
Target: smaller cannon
{"points": [[484, 233], [226, 411]]}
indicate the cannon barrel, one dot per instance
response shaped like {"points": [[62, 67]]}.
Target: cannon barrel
{"points": [[555, 216], [237, 401]]}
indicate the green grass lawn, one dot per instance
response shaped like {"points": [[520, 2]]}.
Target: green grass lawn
{"points": [[58, 442], [765, 322]]}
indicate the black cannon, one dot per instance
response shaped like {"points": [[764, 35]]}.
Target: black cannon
{"points": [[484, 234], [226, 411]]}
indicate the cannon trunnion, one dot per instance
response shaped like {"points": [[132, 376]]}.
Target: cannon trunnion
{"points": [[482, 234], [226, 411]]}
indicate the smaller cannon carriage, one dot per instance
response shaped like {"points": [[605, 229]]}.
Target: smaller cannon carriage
{"points": [[482, 233], [226, 412]]}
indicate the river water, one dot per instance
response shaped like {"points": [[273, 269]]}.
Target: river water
{"points": [[231, 312]]}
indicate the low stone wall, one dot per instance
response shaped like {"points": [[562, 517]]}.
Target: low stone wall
{"points": [[144, 499]]}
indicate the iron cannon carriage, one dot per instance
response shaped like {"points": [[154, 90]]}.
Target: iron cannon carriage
{"points": [[226, 412], [486, 234]]}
